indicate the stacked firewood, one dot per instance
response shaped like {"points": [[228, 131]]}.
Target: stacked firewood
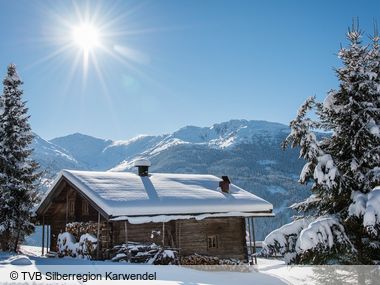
{"points": [[148, 253], [80, 228], [197, 259]]}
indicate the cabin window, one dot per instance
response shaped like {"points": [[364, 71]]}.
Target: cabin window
{"points": [[71, 207], [84, 208], [212, 241]]}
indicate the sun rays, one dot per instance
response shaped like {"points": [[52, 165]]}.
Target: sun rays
{"points": [[86, 37]]}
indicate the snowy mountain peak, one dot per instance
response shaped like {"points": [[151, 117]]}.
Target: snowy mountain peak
{"points": [[228, 134], [82, 151], [225, 135], [79, 137], [53, 158]]}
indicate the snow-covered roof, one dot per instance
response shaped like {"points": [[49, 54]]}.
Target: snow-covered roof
{"points": [[127, 194]]}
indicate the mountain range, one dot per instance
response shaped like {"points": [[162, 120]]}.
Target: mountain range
{"points": [[249, 152]]}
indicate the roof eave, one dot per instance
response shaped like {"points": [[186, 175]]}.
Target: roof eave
{"points": [[198, 216]]}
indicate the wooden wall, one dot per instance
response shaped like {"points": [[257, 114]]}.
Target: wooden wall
{"points": [[143, 233], [191, 236], [230, 233]]}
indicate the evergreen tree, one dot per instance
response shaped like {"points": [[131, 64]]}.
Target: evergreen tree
{"points": [[343, 211], [18, 172]]}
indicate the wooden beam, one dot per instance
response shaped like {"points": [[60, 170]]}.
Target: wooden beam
{"points": [[163, 234], [250, 258], [126, 232], [98, 238], [176, 233], [47, 238], [43, 235], [67, 206], [254, 239], [179, 235]]}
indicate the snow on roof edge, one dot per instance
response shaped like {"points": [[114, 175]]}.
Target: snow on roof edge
{"points": [[167, 218]]}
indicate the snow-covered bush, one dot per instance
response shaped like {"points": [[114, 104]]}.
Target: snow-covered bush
{"points": [[283, 240], [342, 164], [324, 231], [307, 238], [67, 245], [87, 245], [148, 253], [165, 257], [323, 241]]}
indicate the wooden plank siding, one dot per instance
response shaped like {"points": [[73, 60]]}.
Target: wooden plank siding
{"points": [[230, 233], [190, 236], [143, 233]]}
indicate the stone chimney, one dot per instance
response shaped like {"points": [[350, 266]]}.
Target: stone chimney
{"points": [[142, 166], [225, 184]]}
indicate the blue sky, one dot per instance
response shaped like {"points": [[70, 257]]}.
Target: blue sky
{"points": [[190, 62]]}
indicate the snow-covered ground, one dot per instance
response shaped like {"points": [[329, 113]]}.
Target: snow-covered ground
{"points": [[268, 271], [171, 275]]}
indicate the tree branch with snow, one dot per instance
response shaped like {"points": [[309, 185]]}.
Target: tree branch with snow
{"points": [[343, 165]]}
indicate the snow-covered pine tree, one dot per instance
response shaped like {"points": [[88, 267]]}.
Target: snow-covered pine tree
{"points": [[18, 172], [341, 221]]}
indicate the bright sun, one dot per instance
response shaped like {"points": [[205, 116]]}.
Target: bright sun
{"points": [[86, 36]]}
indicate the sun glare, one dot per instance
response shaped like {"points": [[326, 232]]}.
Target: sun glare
{"points": [[86, 37], [88, 34]]}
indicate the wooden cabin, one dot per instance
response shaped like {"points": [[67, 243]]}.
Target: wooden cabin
{"points": [[190, 212]]}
